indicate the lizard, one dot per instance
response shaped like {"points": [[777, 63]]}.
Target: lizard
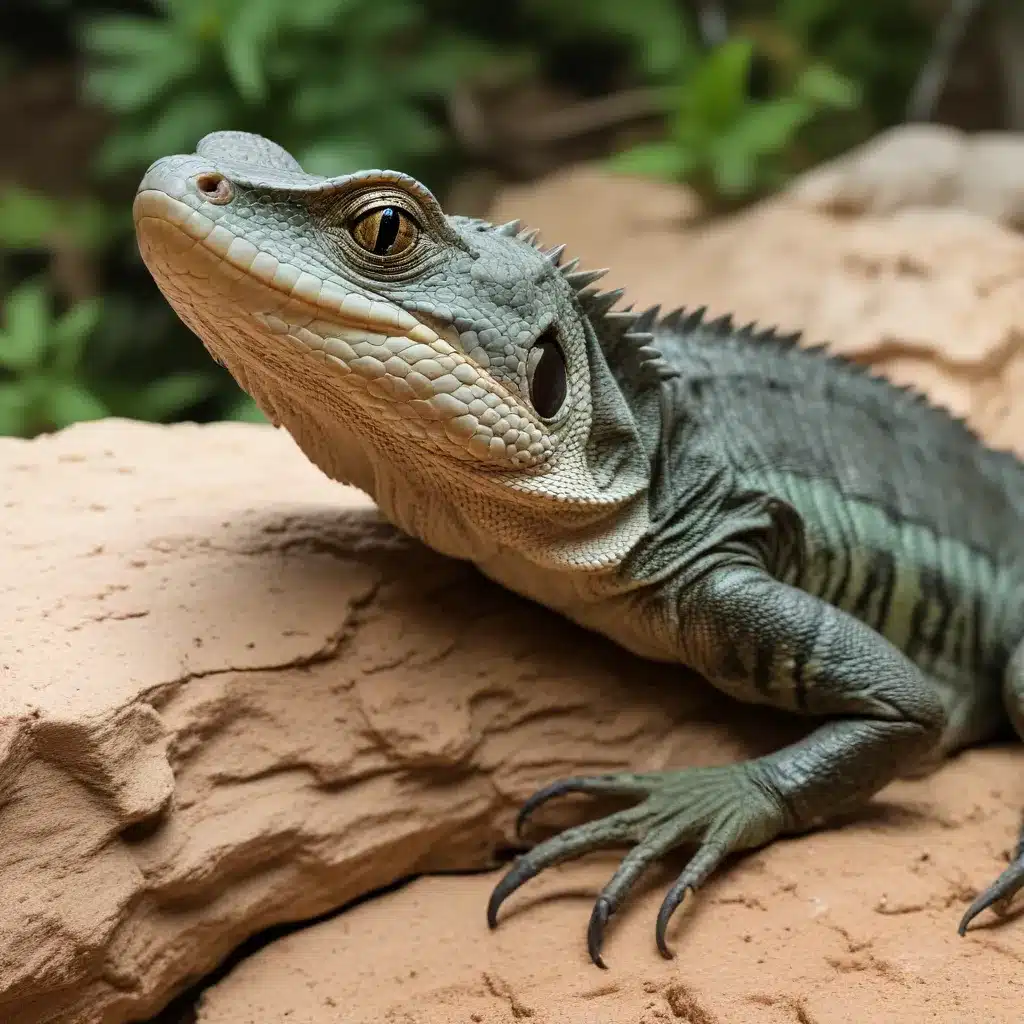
{"points": [[790, 525]]}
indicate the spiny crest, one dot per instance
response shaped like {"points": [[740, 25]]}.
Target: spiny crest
{"points": [[578, 279], [627, 337], [722, 329]]}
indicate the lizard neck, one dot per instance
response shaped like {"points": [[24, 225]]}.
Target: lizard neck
{"points": [[463, 514]]}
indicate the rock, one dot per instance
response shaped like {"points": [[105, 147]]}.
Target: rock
{"points": [[233, 697], [992, 182], [850, 925], [926, 165]]}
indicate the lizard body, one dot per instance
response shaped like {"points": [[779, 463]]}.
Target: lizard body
{"points": [[802, 533]]}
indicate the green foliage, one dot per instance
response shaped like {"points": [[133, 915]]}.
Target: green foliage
{"points": [[880, 44], [355, 83], [340, 83], [724, 142], [656, 34], [40, 356], [30, 220], [45, 383]]}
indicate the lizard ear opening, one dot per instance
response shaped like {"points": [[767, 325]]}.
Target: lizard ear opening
{"points": [[546, 375]]}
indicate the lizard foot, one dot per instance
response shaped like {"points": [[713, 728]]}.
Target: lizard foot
{"points": [[1001, 891], [719, 809]]}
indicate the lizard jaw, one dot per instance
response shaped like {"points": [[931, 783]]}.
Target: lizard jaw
{"points": [[414, 376]]}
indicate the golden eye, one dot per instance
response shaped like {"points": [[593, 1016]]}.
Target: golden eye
{"points": [[385, 231]]}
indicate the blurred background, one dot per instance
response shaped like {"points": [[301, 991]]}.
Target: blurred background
{"points": [[732, 97]]}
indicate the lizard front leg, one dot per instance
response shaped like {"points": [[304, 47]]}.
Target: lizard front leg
{"points": [[760, 641]]}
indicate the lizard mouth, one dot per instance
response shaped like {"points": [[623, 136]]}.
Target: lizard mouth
{"points": [[229, 290], [344, 308]]}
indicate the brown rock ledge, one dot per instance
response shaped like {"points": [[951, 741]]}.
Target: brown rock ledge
{"points": [[232, 698]]}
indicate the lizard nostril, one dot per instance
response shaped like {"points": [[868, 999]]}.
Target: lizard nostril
{"points": [[215, 187]]}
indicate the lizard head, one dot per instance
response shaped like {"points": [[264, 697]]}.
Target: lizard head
{"points": [[424, 358]]}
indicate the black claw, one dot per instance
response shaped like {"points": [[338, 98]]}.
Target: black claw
{"points": [[542, 796], [595, 930], [520, 873], [971, 913], [669, 905], [999, 891], [983, 902]]}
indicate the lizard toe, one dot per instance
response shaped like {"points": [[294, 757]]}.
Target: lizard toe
{"points": [[719, 809], [622, 784]]}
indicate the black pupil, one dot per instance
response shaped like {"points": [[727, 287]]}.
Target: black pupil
{"points": [[548, 387], [387, 230]]}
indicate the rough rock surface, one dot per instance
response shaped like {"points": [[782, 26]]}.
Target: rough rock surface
{"points": [[232, 698], [923, 165]]}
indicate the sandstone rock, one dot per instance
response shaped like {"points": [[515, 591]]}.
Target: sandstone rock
{"points": [[234, 698], [927, 165]]}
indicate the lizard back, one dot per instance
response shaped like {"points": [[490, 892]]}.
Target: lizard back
{"points": [[910, 521]]}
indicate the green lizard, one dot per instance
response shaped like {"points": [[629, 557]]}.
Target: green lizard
{"points": [[802, 533]]}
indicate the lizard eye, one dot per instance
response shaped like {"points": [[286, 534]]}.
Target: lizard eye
{"points": [[385, 231], [546, 375]]}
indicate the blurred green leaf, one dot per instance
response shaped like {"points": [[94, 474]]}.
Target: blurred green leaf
{"points": [[165, 398], [378, 22], [733, 168], [185, 119], [30, 220], [13, 409], [27, 219], [769, 127], [245, 39], [343, 155], [656, 160], [71, 331], [316, 15], [350, 89], [821, 84], [245, 410], [656, 30], [115, 36], [27, 317], [130, 87], [717, 91], [68, 402], [453, 58], [731, 145]]}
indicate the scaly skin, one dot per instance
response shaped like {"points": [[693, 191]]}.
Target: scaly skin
{"points": [[803, 534]]}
